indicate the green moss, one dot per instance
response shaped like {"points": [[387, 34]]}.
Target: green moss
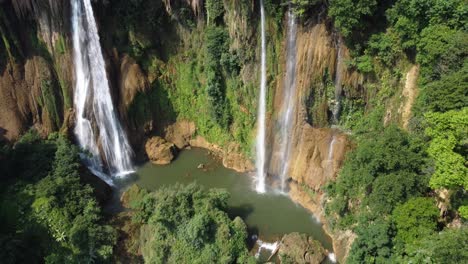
{"points": [[49, 101], [67, 100], [61, 46]]}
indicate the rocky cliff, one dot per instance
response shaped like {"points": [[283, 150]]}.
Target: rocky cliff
{"points": [[169, 80], [316, 152]]}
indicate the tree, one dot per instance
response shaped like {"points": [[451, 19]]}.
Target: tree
{"points": [[187, 224], [410, 17], [448, 131], [214, 10], [441, 51], [448, 93], [348, 14], [448, 246], [415, 219], [380, 173], [373, 244]]}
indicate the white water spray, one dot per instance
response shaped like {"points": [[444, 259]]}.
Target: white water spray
{"points": [[331, 148], [260, 144], [288, 108], [332, 257], [271, 247], [93, 101]]}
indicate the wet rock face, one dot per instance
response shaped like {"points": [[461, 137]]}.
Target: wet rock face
{"points": [[160, 151], [301, 249], [180, 133], [28, 96], [316, 153]]}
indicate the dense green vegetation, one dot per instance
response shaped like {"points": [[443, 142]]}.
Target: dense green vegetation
{"points": [[389, 191], [187, 224], [385, 191], [211, 75], [48, 213]]}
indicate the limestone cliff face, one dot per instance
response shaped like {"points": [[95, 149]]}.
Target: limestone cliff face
{"points": [[316, 153], [29, 97], [35, 79]]}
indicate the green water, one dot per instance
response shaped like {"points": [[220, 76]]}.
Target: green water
{"points": [[267, 215]]}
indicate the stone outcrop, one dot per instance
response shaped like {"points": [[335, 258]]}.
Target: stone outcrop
{"points": [[29, 97], [231, 155], [301, 249], [341, 240], [180, 133], [132, 81], [410, 92], [160, 151]]}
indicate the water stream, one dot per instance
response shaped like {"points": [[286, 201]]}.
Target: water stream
{"points": [[260, 144], [289, 94], [338, 85], [97, 127]]}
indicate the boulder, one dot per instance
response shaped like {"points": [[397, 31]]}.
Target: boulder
{"points": [[180, 133], [301, 249], [160, 151]]}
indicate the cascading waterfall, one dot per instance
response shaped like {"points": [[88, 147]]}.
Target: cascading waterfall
{"points": [[260, 144], [93, 101], [271, 247], [338, 86], [288, 108], [331, 148]]}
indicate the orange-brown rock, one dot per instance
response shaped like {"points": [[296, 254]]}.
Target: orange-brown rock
{"points": [[160, 151], [301, 249], [23, 96], [132, 81], [231, 155], [180, 133], [341, 240]]}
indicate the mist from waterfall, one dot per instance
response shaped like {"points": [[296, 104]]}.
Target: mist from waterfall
{"points": [[97, 127], [289, 94], [260, 142]]}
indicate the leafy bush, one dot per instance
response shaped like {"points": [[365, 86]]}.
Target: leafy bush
{"points": [[51, 213], [448, 246], [214, 10], [348, 14], [378, 175], [441, 50], [448, 93], [386, 47], [415, 219], [187, 224], [373, 244], [410, 17], [448, 132]]}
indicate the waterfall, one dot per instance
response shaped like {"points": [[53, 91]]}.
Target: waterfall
{"points": [[260, 144], [289, 94], [331, 148], [338, 86], [97, 128], [272, 247]]}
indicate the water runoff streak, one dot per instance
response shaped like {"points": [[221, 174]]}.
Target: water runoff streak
{"points": [[338, 85], [260, 144], [288, 108], [93, 102]]}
